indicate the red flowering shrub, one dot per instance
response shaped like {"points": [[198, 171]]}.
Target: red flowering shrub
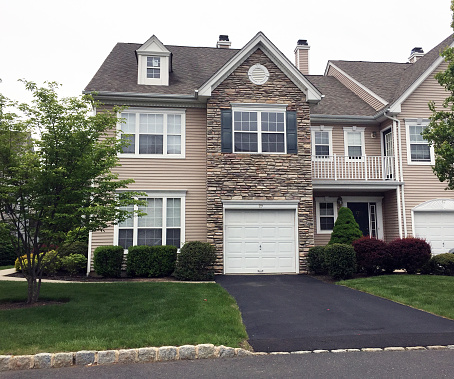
{"points": [[372, 256], [410, 254]]}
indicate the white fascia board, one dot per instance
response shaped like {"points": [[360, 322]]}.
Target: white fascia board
{"points": [[262, 42], [396, 106], [380, 99], [158, 46]]}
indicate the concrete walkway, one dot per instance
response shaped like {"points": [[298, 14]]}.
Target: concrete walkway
{"points": [[4, 273], [297, 312]]}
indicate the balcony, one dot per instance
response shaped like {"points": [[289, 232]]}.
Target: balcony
{"points": [[363, 168]]}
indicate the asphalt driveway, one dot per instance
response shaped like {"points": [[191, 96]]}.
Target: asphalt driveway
{"points": [[297, 312]]}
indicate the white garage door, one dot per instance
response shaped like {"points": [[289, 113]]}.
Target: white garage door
{"points": [[260, 241], [437, 228]]}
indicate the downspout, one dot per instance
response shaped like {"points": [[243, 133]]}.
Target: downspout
{"points": [[400, 176]]}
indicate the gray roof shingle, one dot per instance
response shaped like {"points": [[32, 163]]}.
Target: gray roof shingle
{"points": [[192, 66]]}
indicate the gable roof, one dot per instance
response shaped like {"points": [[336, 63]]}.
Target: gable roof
{"points": [[192, 66], [338, 99], [260, 41]]}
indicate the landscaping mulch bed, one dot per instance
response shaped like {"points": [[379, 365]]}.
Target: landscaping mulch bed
{"points": [[21, 305]]}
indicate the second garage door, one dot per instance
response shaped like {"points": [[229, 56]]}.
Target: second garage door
{"points": [[260, 241], [437, 228]]}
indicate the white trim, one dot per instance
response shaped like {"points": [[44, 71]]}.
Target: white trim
{"points": [[90, 240], [262, 42], [263, 107], [153, 47], [354, 129], [370, 92], [396, 106], [165, 112], [253, 78], [418, 122], [325, 199], [262, 205], [329, 130]]}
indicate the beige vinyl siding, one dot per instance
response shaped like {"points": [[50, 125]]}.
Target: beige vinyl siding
{"points": [[421, 184], [163, 174], [390, 216], [355, 88], [302, 60]]}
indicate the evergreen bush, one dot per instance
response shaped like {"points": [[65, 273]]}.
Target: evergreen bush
{"points": [[410, 254], [74, 264], [316, 260], [372, 255], [107, 261], [138, 261], [340, 260], [442, 264], [151, 261], [346, 229], [196, 261], [51, 263]]}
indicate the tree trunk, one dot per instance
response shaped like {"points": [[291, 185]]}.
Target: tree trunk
{"points": [[34, 286]]}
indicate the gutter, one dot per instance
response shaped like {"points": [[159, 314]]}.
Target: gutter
{"points": [[401, 176], [142, 96]]}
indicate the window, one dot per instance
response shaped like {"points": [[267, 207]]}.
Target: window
{"points": [[153, 134], [354, 142], [326, 214], [153, 67], [162, 224], [259, 131], [321, 142], [418, 149]]}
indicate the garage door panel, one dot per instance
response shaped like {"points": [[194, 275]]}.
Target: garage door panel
{"points": [[264, 239], [437, 228]]}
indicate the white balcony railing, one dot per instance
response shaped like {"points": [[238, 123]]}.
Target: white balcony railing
{"points": [[337, 167]]}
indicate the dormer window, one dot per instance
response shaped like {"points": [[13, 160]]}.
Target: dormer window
{"points": [[153, 67], [153, 63]]}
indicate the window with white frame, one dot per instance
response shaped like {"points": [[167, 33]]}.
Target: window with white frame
{"points": [[153, 133], [418, 149], [162, 224], [153, 67], [259, 131], [322, 142], [326, 214], [354, 142]]}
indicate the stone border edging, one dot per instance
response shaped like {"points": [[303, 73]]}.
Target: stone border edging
{"points": [[162, 354]]}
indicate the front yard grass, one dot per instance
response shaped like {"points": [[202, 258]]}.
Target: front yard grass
{"points": [[106, 316], [430, 293], [6, 267]]}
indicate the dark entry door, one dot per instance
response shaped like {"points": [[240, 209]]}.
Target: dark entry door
{"points": [[361, 214]]}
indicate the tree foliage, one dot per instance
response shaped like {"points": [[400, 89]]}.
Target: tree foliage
{"points": [[346, 229], [56, 161], [440, 131]]}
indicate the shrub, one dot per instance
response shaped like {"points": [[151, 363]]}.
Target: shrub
{"points": [[24, 259], [51, 263], [74, 264], [372, 255], [410, 253], [340, 260], [76, 247], [346, 229], [195, 261], [107, 261], [316, 260], [152, 261], [163, 260], [7, 252], [442, 264]]}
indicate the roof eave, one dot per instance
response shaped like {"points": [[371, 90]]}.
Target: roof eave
{"points": [[343, 119]]}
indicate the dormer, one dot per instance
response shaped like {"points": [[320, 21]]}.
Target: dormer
{"points": [[153, 63]]}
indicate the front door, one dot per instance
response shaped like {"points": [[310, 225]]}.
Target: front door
{"points": [[361, 214]]}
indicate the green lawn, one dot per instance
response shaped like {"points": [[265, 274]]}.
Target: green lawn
{"points": [[119, 315], [6, 267], [434, 294]]}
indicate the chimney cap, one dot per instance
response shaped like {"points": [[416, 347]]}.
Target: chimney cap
{"points": [[223, 37], [302, 42], [417, 50]]}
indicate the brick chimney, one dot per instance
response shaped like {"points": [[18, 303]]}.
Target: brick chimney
{"points": [[302, 56], [223, 42], [416, 53]]}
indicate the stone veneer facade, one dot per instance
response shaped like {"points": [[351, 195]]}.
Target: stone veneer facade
{"points": [[258, 176]]}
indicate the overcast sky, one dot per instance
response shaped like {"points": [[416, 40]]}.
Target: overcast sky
{"points": [[66, 41]]}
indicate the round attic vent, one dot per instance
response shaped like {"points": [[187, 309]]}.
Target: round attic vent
{"points": [[258, 74]]}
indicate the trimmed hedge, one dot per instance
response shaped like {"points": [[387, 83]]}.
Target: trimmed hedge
{"points": [[51, 263], [316, 260], [107, 261], [196, 261], [410, 254], [151, 261], [442, 264], [372, 255], [340, 260], [74, 264], [346, 229]]}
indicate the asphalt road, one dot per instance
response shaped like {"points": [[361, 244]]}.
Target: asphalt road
{"points": [[406, 364], [297, 312]]}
